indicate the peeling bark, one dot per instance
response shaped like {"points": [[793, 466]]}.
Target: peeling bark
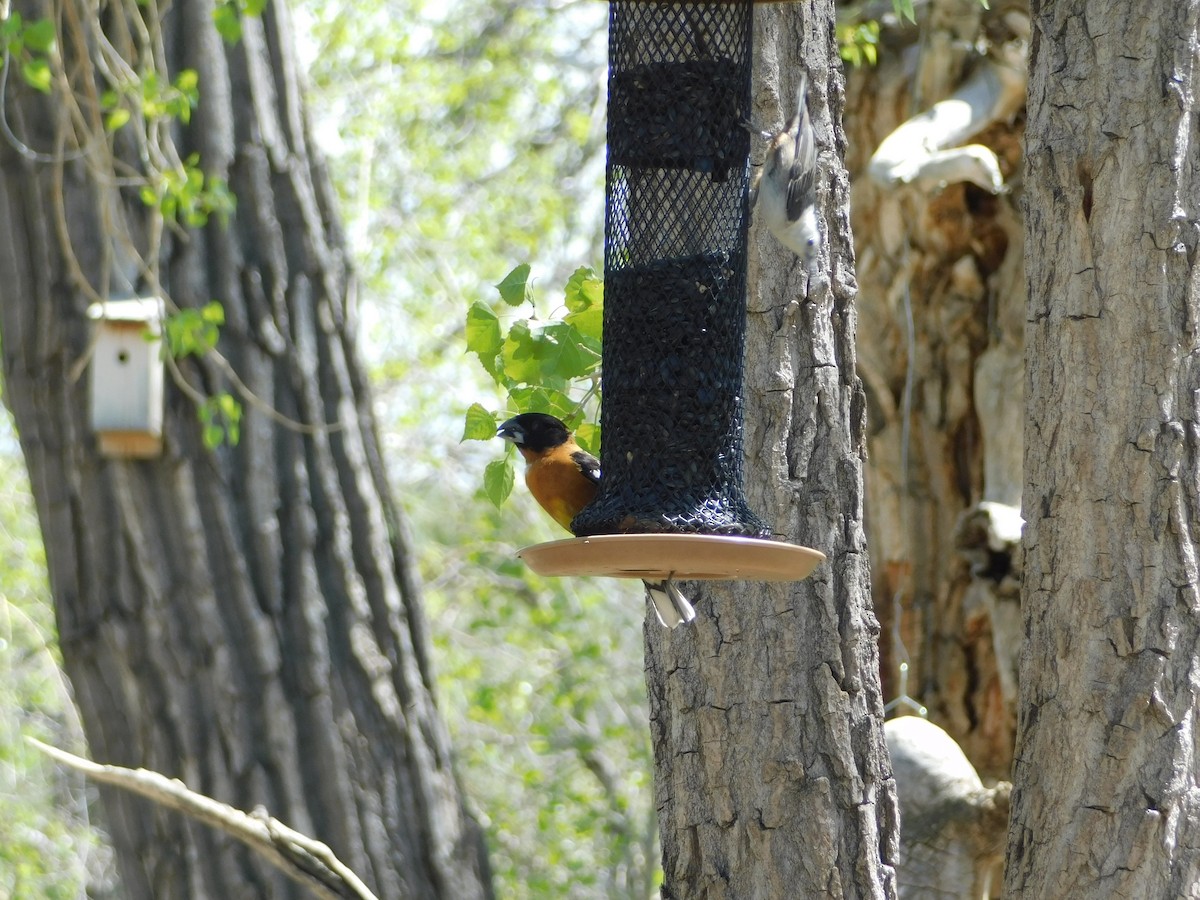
{"points": [[942, 297], [924, 151]]}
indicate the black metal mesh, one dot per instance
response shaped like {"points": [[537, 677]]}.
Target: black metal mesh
{"points": [[675, 271]]}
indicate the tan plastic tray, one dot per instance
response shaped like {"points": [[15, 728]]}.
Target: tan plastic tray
{"points": [[682, 556]]}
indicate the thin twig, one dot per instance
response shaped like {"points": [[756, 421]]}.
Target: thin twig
{"points": [[257, 402], [243, 390]]}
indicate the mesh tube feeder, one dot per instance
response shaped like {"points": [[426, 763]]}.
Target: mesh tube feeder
{"points": [[671, 499]]}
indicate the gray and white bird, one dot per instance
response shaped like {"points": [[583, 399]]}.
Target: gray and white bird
{"points": [[784, 192]]}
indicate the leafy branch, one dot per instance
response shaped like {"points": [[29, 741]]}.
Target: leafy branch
{"points": [[30, 45], [227, 17], [119, 89], [196, 332], [540, 364]]}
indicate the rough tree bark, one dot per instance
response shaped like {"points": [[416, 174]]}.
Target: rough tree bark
{"points": [[245, 619], [942, 296], [771, 772], [1106, 798]]}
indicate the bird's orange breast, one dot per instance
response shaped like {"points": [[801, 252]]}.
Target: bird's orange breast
{"points": [[559, 486]]}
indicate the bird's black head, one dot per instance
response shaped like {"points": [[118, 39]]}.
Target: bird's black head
{"points": [[534, 431]]}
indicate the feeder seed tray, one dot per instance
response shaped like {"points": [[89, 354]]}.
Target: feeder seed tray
{"points": [[688, 557]]}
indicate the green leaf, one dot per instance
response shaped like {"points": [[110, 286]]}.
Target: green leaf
{"points": [[218, 198], [40, 35], [254, 7], [10, 28], [546, 400], [514, 289], [231, 411], [560, 404], [213, 313], [484, 338], [188, 81], [193, 177], [587, 435], [498, 480], [228, 22], [186, 95], [584, 290], [193, 332], [569, 359], [589, 323], [904, 9], [530, 399], [116, 120], [149, 88], [574, 361], [220, 418], [483, 330], [523, 354], [857, 42], [37, 75], [478, 424]]}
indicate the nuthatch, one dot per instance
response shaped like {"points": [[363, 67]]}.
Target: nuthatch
{"points": [[785, 190]]}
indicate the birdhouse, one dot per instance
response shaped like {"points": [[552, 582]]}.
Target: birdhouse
{"points": [[127, 377]]}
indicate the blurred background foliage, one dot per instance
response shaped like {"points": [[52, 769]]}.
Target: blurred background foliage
{"points": [[48, 846]]}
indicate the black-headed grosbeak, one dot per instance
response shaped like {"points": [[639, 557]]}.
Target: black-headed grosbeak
{"points": [[563, 478]]}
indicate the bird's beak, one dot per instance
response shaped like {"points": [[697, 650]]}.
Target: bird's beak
{"points": [[749, 126], [510, 432]]}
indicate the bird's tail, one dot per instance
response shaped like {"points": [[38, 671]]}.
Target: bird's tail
{"points": [[672, 608], [801, 119]]}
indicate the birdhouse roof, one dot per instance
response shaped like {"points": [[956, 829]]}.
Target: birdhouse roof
{"points": [[134, 309]]}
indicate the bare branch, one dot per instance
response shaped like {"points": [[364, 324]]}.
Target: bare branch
{"points": [[298, 856]]}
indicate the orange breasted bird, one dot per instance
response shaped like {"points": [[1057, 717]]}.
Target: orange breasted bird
{"points": [[563, 478]]}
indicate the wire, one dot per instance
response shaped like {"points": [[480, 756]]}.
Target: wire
{"points": [[910, 377]]}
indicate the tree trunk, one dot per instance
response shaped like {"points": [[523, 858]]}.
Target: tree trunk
{"points": [[246, 619], [1106, 801], [942, 290], [771, 771]]}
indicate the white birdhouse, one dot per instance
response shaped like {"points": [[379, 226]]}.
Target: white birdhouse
{"points": [[127, 377]]}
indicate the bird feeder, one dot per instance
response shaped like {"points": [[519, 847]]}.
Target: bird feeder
{"points": [[671, 500], [127, 377]]}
